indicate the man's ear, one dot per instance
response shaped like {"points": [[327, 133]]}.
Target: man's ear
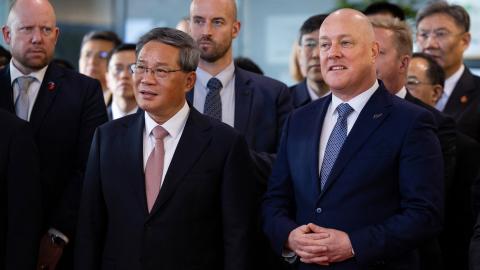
{"points": [[190, 81], [6, 34], [437, 92]]}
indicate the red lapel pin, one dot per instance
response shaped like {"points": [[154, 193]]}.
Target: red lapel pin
{"points": [[51, 86], [464, 99]]}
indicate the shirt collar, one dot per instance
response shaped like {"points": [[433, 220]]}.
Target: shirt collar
{"points": [[225, 76], [402, 93], [451, 81], [15, 73], [173, 126], [358, 102]]}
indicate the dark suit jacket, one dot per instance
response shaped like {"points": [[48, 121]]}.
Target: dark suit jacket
{"points": [[261, 106], [20, 193], [464, 104], [385, 189], [300, 95], [203, 215], [475, 247], [68, 109]]}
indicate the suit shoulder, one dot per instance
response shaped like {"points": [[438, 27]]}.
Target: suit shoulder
{"points": [[261, 80], [216, 126]]}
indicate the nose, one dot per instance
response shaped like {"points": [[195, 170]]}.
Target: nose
{"points": [[334, 51], [429, 43], [37, 35], [315, 52]]}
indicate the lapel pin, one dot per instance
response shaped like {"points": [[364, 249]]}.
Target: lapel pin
{"points": [[51, 86], [377, 115], [464, 99]]}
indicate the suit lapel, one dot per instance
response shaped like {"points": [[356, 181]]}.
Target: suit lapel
{"points": [[243, 100], [372, 115], [195, 138], [300, 94], [51, 85], [134, 139], [461, 96], [6, 91]]}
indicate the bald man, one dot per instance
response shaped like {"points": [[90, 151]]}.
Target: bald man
{"points": [[63, 109], [363, 186]]}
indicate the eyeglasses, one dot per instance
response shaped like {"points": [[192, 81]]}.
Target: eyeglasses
{"points": [[117, 69], [309, 44], [414, 82], [160, 73], [102, 55], [439, 35]]}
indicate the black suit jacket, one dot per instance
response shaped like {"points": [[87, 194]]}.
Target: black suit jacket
{"points": [[68, 109], [20, 190], [300, 95], [464, 104], [202, 218], [475, 247]]}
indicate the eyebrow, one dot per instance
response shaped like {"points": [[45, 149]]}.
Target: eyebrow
{"points": [[435, 29], [337, 37]]}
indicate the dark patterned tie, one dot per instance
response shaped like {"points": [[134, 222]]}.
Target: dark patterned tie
{"points": [[22, 103], [213, 103], [335, 142]]}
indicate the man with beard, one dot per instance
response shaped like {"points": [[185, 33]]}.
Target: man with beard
{"points": [[313, 86], [63, 107], [255, 105], [120, 81]]}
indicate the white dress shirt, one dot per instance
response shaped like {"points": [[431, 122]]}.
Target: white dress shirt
{"points": [[313, 95], [227, 93], [174, 126], [32, 89], [402, 93], [118, 113], [357, 103], [450, 84]]}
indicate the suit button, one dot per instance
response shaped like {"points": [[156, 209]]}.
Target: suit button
{"points": [[318, 210]]}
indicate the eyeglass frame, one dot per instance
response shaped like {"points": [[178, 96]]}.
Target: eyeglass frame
{"points": [[164, 72], [117, 71], [417, 82], [437, 34]]}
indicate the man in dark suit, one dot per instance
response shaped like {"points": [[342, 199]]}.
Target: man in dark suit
{"points": [[120, 81], [63, 108], [443, 33], [313, 86], [255, 105], [363, 187], [395, 42], [20, 190], [475, 247], [183, 200]]}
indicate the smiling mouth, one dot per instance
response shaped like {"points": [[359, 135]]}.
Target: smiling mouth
{"points": [[335, 68]]}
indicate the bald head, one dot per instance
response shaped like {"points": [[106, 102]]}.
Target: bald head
{"points": [[347, 52], [31, 33], [230, 6]]}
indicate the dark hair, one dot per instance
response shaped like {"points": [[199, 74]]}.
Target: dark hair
{"points": [[120, 48], [311, 24], [248, 64], [5, 56], [189, 53], [102, 35], [385, 7], [435, 73], [456, 12]]}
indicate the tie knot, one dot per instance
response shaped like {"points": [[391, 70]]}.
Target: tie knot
{"points": [[344, 110], [24, 82], [214, 84], [159, 133]]}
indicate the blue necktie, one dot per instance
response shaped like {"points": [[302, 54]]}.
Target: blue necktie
{"points": [[335, 142], [213, 103]]}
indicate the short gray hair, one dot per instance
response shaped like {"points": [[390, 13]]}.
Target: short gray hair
{"points": [[189, 52], [456, 12]]}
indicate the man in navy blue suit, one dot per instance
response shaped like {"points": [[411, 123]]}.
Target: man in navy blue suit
{"points": [[183, 200], [313, 86], [362, 187], [255, 105], [63, 109]]}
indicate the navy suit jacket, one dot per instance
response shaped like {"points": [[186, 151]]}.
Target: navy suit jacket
{"points": [[203, 215], [20, 193], [385, 189], [262, 105], [464, 104], [300, 95], [68, 109]]}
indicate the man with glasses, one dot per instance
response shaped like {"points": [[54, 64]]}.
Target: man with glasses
{"points": [[443, 33], [120, 82], [94, 51], [313, 86], [168, 188], [425, 79], [63, 108]]}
